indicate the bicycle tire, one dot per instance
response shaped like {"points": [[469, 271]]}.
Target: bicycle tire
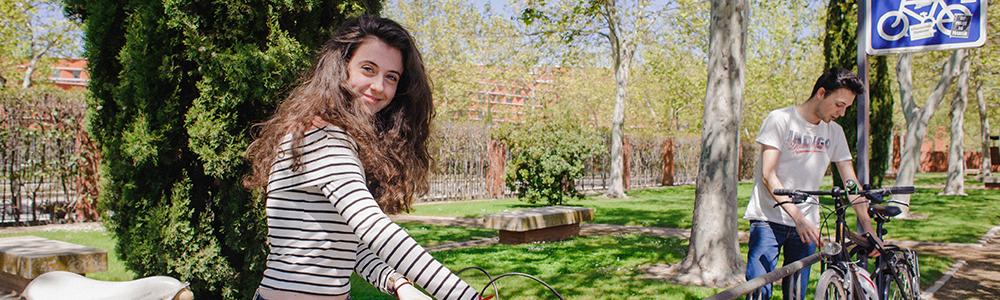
{"points": [[911, 264], [832, 285]]}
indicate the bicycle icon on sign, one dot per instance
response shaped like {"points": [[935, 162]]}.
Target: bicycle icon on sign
{"points": [[950, 19]]}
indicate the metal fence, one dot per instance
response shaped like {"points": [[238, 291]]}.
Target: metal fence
{"points": [[469, 165], [40, 153]]}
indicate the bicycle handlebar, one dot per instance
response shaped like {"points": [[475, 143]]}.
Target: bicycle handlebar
{"points": [[840, 192], [798, 196]]}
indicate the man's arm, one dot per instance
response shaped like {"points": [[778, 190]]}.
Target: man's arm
{"points": [[860, 204], [808, 232]]}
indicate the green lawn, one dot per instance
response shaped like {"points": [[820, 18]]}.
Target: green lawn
{"points": [[950, 218], [600, 267]]}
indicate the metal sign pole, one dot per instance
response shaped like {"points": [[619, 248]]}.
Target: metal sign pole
{"points": [[862, 102]]}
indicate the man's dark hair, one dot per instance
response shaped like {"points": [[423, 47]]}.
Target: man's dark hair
{"points": [[838, 78]]}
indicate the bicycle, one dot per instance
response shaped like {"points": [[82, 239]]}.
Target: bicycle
{"points": [[940, 14], [842, 278], [493, 280]]}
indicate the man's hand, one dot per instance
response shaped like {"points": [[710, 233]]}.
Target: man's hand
{"points": [[409, 292], [874, 252], [808, 232]]}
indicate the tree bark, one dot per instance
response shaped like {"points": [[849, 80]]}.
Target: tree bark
{"points": [[622, 62], [956, 151], [984, 125], [917, 118], [26, 79], [713, 253]]}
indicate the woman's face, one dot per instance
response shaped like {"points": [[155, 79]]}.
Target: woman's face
{"points": [[374, 73]]}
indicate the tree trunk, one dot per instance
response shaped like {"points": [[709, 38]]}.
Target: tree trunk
{"points": [[916, 117], [623, 58], [984, 124], [956, 151], [713, 253], [26, 80]]}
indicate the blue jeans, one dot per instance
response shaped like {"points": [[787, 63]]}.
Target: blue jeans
{"points": [[767, 240]]}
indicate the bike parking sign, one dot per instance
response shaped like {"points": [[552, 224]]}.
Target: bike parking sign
{"points": [[898, 26]]}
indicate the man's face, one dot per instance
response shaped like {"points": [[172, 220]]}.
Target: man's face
{"points": [[833, 104]]}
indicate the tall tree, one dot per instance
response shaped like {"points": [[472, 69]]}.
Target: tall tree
{"points": [[985, 169], [955, 185], [32, 31], [917, 117], [620, 24], [713, 253], [840, 50], [175, 88]]}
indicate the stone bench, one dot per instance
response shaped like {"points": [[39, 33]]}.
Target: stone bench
{"points": [[992, 182], [24, 258], [550, 223]]}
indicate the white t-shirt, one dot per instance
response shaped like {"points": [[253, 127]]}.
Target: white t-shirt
{"points": [[806, 152]]}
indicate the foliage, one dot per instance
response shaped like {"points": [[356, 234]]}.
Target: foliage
{"points": [[175, 87], [30, 31], [546, 159], [467, 50]]}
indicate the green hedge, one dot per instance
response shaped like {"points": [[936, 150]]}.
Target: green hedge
{"points": [[175, 86]]}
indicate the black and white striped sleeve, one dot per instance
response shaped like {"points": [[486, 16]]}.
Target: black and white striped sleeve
{"points": [[372, 268], [342, 181]]}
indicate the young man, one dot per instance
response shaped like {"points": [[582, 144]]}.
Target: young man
{"points": [[797, 145]]}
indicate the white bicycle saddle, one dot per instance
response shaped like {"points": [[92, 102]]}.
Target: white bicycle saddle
{"points": [[66, 285]]}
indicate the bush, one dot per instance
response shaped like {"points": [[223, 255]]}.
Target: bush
{"points": [[546, 159], [175, 87]]}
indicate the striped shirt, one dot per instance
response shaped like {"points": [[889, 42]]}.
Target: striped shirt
{"points": [[323, 224]]}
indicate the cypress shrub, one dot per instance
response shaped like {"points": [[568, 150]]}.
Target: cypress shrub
{"points": [[840, 50], [175, 87]]}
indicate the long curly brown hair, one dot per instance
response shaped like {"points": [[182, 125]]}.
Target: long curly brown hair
{"points": [[392, 143]]}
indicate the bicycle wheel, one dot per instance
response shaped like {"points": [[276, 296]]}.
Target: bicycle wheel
{"points": [[831, 285], [897, 283], [897, 27], [947, 17], [912, 267]]}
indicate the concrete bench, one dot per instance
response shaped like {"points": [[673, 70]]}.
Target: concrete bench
{"points": [[24, 258], [992, 182], [550, 223]]}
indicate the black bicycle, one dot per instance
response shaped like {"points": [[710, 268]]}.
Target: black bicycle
{"points": [[842, 277]]}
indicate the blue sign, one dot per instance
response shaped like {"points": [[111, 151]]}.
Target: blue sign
{"points": [[898, 26]]}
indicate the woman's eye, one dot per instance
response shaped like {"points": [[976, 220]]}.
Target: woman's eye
{"points": [[393, 78], [368, 69]]}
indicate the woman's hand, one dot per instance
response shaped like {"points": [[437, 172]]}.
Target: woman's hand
{"points": [[409, 292]]}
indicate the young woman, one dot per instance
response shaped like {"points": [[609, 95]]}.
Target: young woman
{"points": [[347, 146]]}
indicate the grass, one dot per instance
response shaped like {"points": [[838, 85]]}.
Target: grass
{"points": [[609, 267], [597, 267], [652, 207], [954, 219]]}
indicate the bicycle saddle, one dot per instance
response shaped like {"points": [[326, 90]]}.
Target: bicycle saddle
{"points": [[66, 285], [882, 211]]}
